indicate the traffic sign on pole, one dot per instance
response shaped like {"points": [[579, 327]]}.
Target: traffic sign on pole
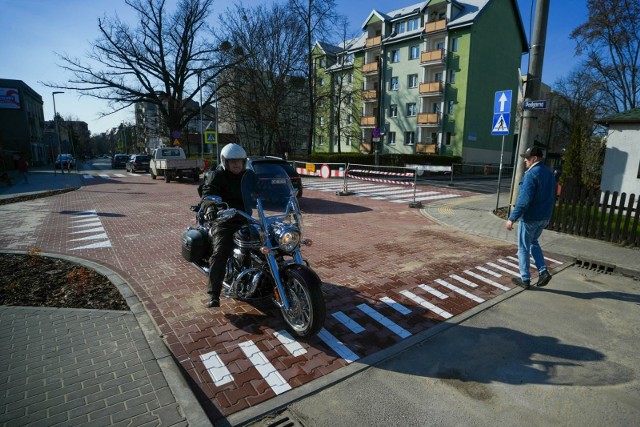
{"points": [[501, 113]]}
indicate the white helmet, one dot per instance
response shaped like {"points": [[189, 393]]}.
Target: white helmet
{"points": [[232, 151]]}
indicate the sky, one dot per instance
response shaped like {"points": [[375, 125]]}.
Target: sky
{"points": [[34, 30]]}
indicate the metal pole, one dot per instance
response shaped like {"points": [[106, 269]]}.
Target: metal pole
{"points": [[500, 175], [215, 87], [532, 90], [201, 130], [55, 122]]}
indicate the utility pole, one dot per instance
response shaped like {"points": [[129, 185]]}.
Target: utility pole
{"points": [[532, 92]]}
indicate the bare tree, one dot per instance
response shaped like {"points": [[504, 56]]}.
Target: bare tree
{"points": [[266, 87], [155, 61], [577, 102], [316, 17], [610, 39]]}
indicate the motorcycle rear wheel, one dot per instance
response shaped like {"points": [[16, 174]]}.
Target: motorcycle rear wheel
{"points": [[305, 316]]}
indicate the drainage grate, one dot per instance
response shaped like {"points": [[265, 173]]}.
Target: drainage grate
{"points": [[596, 266], [283, 421]]}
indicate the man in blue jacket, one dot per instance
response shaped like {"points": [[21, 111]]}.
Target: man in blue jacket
{"points": [[533, 208]]}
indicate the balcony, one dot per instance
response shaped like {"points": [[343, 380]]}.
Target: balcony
{"points": [[371, 67], [432, 56], [368, 121], [426, 148], [429, 119], [373, 41], [432, 27], [370, 95], [431, 88]]}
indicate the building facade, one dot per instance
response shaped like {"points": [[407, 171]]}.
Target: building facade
{"points": [[22, 121], [421, 79]]}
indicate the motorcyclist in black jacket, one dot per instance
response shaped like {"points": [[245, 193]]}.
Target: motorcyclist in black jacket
{"points": [[225, 183]]}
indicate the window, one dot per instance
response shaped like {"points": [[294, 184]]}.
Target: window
{"points": [[413, 24], [411, 109], [440, 45], [351, 78], [454, 44], [447, 139], [450, 109], [349, 58], [414, 52], [391, 138], [321, 102], [395, 56], [349, 119], [394, 83], [412, 80], [437, 77], [321, 121], [320, 140], [321, 81], [409, 138], [322, 62], [348, 100], [435, 107], [393, 110], [400, 27], [452, 76]]}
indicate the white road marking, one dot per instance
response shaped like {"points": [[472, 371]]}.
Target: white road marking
{"points": [[338, 346], [384, 321], [276, 381], [351, 324], [292, 346], [218, 372], [426, 304]]}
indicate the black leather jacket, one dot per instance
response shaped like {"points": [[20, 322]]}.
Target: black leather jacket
{"points": [[226, 185]]}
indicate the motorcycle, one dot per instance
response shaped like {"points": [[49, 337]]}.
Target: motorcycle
{"points": [[266, 261]]}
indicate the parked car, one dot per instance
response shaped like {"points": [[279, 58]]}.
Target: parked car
{"points": [[294, 176], [65, 161], [119, 161], [138, 162]]}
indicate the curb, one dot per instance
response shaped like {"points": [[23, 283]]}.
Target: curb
{"points": [[183, 394]]}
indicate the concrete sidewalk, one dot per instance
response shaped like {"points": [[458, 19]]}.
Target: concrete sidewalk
{"points": [[40, 180]]}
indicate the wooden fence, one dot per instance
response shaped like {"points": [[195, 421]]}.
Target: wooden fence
{"points": [[607, 216]]}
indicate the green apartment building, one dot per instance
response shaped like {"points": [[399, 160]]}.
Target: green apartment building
{"points": [[421, 79]]}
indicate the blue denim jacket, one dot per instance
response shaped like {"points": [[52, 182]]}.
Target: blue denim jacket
{"points": [[537, 195]]}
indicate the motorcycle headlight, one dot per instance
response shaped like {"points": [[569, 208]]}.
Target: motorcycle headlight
{"points": [[288, 238]]}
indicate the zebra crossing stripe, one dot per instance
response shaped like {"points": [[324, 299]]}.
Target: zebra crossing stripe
{"points": [[292, 346], [433, 292], [426, 304], [510, 264], [395, 305], [106, 244], [94, 237], [486, 270], [501, 268], [463, 280], [276, 381], [119, 175], [93, 230], [103, 175], [384, 321], [459, 291], [95, 221], [486, 280], [351, 324], [87, 176], [336, 345], [217, 371]]}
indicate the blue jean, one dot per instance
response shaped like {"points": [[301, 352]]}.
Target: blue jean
{"points": [[528, 234]]}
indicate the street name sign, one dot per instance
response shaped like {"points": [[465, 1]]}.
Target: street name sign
{"points": [[535, 105]]}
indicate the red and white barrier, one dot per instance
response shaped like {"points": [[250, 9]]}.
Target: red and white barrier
{"points": [[333, 173]]}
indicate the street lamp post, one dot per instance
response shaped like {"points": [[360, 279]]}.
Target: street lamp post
{"points": [[201, 130], [55, 121]]}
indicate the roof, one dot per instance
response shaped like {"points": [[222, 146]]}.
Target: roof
{"points": [[629, 116]]}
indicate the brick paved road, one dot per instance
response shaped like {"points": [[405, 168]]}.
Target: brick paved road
{"points": [[388, 273]]}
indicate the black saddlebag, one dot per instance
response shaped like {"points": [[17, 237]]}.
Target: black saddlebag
{"points": [[194, 244]]}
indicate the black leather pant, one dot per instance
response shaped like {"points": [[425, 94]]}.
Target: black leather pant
{"points": [[222, 246]]}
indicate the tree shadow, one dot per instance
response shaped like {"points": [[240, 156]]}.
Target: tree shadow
{"points": [[467, 357], [611, 295]]}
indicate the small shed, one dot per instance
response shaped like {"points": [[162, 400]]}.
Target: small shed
{"points": [[621, 167]]}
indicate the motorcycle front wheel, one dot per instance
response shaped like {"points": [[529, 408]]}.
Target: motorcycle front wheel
{"points": [[305, 316]]}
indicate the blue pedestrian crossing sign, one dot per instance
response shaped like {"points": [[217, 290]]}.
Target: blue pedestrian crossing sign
{"points": [[501, 113], [210, 136]]}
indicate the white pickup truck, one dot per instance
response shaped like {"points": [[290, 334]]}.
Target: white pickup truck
{"points": [[172, 163]]}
